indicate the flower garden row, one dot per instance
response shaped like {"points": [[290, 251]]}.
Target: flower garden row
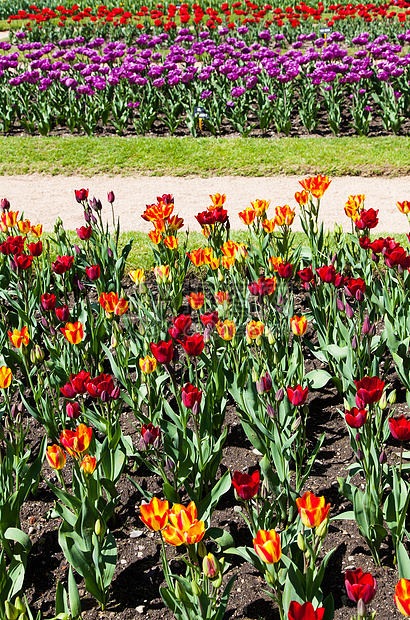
{"points": [[76, 350], [83, 85]]}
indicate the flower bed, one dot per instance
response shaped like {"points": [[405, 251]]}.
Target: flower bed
{"points": [[193, 380]]}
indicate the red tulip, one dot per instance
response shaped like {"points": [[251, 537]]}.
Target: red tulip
{"points": [[162, 351], [35, 248], [245, 485], [400, 428], [355, 418], [297, 395], [62, 264], [306, 275], [24, 261], [102, 387], [360, 585], [81, 194], [193, 345], [369, 391], [190, 395], [264, 286], [84, 232], [48, 302], [63, 313], [355, 287], [285, 270], [210, 318], [79, 381], [304, 612], [73, 410], [93, 272], [182, 325], [368, 219], [327, 274]]}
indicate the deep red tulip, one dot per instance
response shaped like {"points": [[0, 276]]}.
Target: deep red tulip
{"points": [[396, 257], [63, 313], [306, 275], [182, 324], [355, 287], [84, 233], [149, 434], [355, 418], [210, 318], [193, 345], [264, 286], [305, 611], [360, 585], [100, 386], [81, 194], [73, 410], [35, 248], [48, 302], [327, 274], [364, 243], [68, 391], [93, 272], [285, 270], [206, 218], [246, 486], [13, 245], [62, 264], [24, 261], [78, 381], [220, 215], [369, 391], [368, 219], [297, 395], [400, 428], [162, 351], [190, 395]]}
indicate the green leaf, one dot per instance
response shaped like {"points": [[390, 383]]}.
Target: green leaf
{"points": [[318, 378], [74, 596], [16, 535]]}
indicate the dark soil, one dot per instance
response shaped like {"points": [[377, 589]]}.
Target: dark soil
{"points": [[134, 590]]}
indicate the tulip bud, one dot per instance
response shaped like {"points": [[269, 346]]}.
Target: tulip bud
{"points": [[5, 205], [196, 589], [280, 394], [357, 437], [97, 527], [301, 542], [220, 276], [114, 341], [260, 388], [383, 458], [354, 343], [321, 530], [12, 613], [392, 397], [169, 464], [32, 356], [201, 551], [207, 334], [271, 338], [179, 591], [264, 492], [20, 606], [258, 341], [13, 411], [77, 249], [110, 197], [366, 326], [383, 401], [305, 409], [254, 375], [349, 311], [87, 216], [248, 339], [340, 305], [359, 296], [196, 409], [217, 582], [360, 455], [39, 354], [95, 204], [270, 411], [210, 566], [269, 578], [73, 410], [296, 424], [361, 609]]}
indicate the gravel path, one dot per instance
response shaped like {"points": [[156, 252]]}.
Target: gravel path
{"points": [[44, 198]]}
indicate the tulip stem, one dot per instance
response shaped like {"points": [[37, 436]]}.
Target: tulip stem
{"points": [[401, 458]]}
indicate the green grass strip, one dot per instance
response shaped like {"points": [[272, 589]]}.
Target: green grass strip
{"points": [[205, 156]]}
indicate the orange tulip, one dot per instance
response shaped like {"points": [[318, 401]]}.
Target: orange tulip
{"points": [[138, 275], [402, 597], [227, 261], [159, 226], [284, 215], [254, 329], [269, 225], [196, 300], [78, 441], [175, 223], [197, 257], [226, 330], [55, 457], [88, 464], [298, 325], [316, 185], [211, 261], [74, 332], [247, 216], [5, 377], [24, 226], [222, 297], [267, 546], [276, 261], [155, 236], [9, 218], [155, 514], [19, 337], [183, 526], [217, 200], [37, 230], [404, 207], [260, 206], [171, 243], [161, 211], [148, 364], [302, 198], [312, 510], [111, 303], [229, 249]]}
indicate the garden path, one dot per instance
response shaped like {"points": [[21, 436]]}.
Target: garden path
{"points": [[44, 198]]}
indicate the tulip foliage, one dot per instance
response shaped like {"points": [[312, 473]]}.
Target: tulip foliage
{"points": [[268, 324]]}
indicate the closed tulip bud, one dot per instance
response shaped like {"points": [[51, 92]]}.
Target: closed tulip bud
{"points": [[39, 353], [258, 341], [366, 326], [305, 409], [210, 566], [260, 388], [361, 609], [95, 204], [169, 464], [383, 401], [270, 411], [280, 394], [111, 197], [357, 437], [383, 458], [400, 269], [207, 334], [196, 409], [248, 339], [97, 527], [349, 311], [271, 338], [296, 424], [12, 613], [360, 455], [217, 582], [340, 305], [87, 216], [179, 591], [13, 411], [264, 492], [269, 578], [32, 356], [301, 542], [315, 229], [392, 397], [20, 606], [201, 551], [220, 276], [321, 530], [254, 374], [354, 343], [114, 341], [5, 205], [196, 589]]}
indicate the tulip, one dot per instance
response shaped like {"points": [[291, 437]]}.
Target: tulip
{"points": [[327, 274], [78, 441], [155, 514], [196, 300], [93, 272], [88, 464], [302, 198], [48, 302], [74, 332], [150, 435], [297, 395], [183, 526], [400, 428], [210, 319], [9, 218], [254, 329], [312, 510], [368, 219], [37, 230], [73, 410], [284, 216], [245, 485], [162, 351], [112, 304], [5, 377], [264, 286], [402, 597], [305, 611], [285, 270], [84, 233], [24, 261], [62, 313], [55, 457], [182, 324], [190, 395], [101, 386], [226, 330], [79, 381], [267, 546], [171, 242], [147, 364], [210, 566], [298, 325], [197, 257], [360, 585], [247, 216], [81, 194], [62, 264], [355, 418], [138, 275], [316, 185], [369, 391], [19, 338], [36, 249]]}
